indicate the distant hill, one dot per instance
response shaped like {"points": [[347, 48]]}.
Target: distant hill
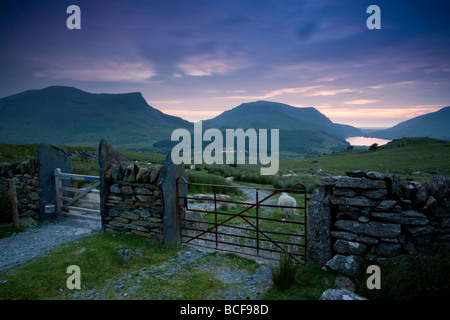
{"points": [[264, 114], [69, 116], [432, 125], [302, 130]]}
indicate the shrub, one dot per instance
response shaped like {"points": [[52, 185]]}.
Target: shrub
{"points": [[373, 147]]}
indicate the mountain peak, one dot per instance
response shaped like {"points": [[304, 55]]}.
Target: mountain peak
{"points": [[269, 114], [67, 115]]}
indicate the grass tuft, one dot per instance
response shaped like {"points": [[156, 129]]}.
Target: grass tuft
{"points": [[284, 272]]}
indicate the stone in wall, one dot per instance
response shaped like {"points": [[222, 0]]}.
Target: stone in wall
{"points": [[319, 225], [408, 217], [167, 180], [51, 158], [371, 228]]}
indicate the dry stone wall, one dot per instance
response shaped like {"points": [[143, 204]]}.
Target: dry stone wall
{"points": [[26, 177], [134, 203], [368, 215], [139, 200]]}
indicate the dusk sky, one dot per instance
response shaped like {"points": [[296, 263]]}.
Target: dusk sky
{"points": [[198, 58]]}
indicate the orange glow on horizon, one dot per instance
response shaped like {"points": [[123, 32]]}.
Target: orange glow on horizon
{"points": [[201, 114], [356, 113]]}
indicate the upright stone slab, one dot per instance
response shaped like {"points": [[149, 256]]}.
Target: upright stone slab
{"points": [[168, 182], [319, 225], [110, 168], [50, 158]]}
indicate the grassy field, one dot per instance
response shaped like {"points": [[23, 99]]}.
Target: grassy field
{"points": [[411, 158]]}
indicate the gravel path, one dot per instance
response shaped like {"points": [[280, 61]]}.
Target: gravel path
{"points": [[251, 194], [36, 240], [240, 284]]}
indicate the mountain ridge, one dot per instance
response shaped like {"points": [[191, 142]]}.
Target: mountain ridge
{"points": [[432, 125], [303, 131], [283, 116], [67, 115]]}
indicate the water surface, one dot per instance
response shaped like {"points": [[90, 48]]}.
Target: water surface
{"points": [[365, 141]]}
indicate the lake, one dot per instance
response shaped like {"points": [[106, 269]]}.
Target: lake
{"points": [[365, 141]]}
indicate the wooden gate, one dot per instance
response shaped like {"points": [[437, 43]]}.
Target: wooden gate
{"points": [[248, 224], [75, 202]]}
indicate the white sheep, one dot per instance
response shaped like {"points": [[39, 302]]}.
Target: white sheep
{"points": [[287, 200]]}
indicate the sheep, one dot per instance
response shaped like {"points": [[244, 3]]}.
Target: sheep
{"points": [[287, 200]]}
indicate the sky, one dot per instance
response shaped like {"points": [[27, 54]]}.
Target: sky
{"points": [[197, 58]]}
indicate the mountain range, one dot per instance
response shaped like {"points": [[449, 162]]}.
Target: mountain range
{"points": [[69, 116]]}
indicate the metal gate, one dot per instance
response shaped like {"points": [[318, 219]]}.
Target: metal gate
{"points": [[249, 222], [75, 202]]}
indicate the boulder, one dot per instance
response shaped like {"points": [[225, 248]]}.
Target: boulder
{"points": [[345, 264], [340, 294]]}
